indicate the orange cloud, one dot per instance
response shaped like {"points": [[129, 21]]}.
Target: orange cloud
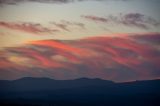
{"points": [[54, 44]]}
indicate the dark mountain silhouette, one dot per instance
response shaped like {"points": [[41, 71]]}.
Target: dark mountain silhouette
{"points": [[78, 92]]}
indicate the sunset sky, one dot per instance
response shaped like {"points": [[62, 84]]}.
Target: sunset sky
{"points": [[26, 20], [115, 40]]}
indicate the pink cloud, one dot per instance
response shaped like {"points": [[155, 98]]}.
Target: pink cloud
{"points": [[118, 58]]}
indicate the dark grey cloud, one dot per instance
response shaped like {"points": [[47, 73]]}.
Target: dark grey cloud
{"points": [[126, 19], [14, 2], [67, 25], [95, 18], [70, 23], [61, 26], [137, 20]]}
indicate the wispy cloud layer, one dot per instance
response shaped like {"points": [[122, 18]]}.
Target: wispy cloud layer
{"points": [[39, 29], [34, 28], [65, 25], [95, 18], [70, 23], [130, 19], [137, 20], [15, 2], [134, 57], [61, 26]]}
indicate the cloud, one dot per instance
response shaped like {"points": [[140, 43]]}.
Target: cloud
{"points": [[118, 58], [95, 18], [129, 19], [137, 20], [14, 2], [68, 25], [38, 57], [151, 38], [61, 26], [38, 29], [34, 28], [58, 45]]}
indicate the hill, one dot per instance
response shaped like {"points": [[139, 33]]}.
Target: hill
{"points": [[78, 92]]}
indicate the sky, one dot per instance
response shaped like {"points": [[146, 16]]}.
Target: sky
{"points": [[27, 20], [116, 40]]}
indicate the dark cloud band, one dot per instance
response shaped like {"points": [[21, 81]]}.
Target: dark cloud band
{"points": [[34, 28], [14, 2], [130, 20]]}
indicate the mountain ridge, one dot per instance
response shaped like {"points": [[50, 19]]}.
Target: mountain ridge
{"points": [[81, 92]]}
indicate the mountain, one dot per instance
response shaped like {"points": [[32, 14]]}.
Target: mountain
{"points": [[119, 58], [79, 92], [39, 84]]}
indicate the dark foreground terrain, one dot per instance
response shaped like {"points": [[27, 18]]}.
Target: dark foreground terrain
{"points": [[79, 92]]}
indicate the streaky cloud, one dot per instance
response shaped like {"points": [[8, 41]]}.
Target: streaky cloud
{"points": [[65, 25], [95, 18], [137, 20], [34, 28], [119, 58], [14, 2]]}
